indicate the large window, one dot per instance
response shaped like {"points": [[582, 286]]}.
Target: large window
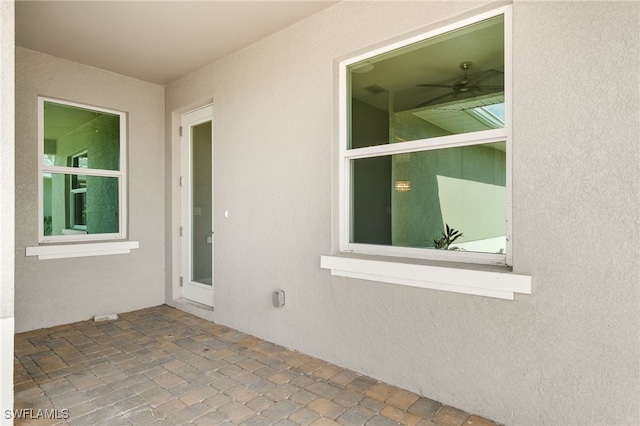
{"points": [[425, 145], [82, 163]]}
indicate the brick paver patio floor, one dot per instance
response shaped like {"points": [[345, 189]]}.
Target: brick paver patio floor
{"points": [[162, 366]]}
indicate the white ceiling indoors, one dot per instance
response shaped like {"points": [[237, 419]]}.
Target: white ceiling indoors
{"points": [[155, 41]]}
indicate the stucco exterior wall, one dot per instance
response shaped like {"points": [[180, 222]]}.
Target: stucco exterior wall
{"points": [[567, 354], [7, 219], [60, 291]]}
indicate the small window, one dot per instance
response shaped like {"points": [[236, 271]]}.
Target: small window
{"points": [[82, 188], [425, 145]]}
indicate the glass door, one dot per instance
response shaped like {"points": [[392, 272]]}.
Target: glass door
{"points": [[197, 201]]}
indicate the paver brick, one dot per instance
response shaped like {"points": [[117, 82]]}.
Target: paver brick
{"points": [[241, 393], [326, 371], [304, 416], [162, 366], [211, 418], [281, 392], [343, 378], [156, 396], [249, 364], [400, 416], [166, 409], [379, 420], [142, 386], [302, 381], [280, 378], [348, 398], [236, 412], [217, 401], [450, 416], [95, 416], [168, 380], [98, 392], [198, 395], [402, 399], [326, 408], [260, 403], [355, 416], [323, 389], [380, 391], [112, 397], [259, 421], [478, 421], [141, 416], [62, 386], [262, 386], [187, 415], [302, 397], [361, 383], [81, 410], [281, 410], [425, 407], [246, 378], [129, 403], [224, 383], [323, 421], [181, 389], [88, 382]]}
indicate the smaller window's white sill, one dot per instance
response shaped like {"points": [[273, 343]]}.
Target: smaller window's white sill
{"points": [[82, 250], [501, 285]]}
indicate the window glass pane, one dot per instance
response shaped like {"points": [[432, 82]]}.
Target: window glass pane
{"points": [[408, 200], [78, 137], [78, 204], [202, 204], [431, 88]]}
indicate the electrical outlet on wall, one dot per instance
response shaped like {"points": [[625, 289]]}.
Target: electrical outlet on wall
{"points": [[278, 298]]}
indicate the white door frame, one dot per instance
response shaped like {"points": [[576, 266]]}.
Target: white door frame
{"points": [[191, 290]]}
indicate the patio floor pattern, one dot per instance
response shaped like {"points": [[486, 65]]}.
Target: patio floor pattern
{"points": [[162, 366]]}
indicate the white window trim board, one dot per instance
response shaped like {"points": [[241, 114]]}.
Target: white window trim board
{"points": [[501, 285], [82, 250]]}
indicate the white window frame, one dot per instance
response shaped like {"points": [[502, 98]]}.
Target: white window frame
{"points": [[488, 136], [119, 174], [72, 204]]}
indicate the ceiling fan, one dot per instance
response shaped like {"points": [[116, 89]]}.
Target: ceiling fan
{"points": [[467, 87]]}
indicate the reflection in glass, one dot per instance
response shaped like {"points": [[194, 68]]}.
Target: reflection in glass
{"points": [[436, 87], [407, 200], [201, 204], [79, 204], [90, 138]]}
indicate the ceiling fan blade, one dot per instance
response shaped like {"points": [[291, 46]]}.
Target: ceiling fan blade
{"points": [[446, 86], [431, 101], [489, 87], [483, 76]]}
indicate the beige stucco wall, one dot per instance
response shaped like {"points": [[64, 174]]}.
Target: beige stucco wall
{"points": [[7, 48], [60, 291], [567, 354], [7, 41]]}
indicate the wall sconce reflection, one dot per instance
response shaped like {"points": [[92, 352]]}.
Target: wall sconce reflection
{"points": [[403, 185]]}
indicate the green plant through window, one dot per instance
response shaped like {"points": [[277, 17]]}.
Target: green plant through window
{"points": [[449, 235]]}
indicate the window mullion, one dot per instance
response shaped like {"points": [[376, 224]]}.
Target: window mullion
{"points": [[81, 171], [449, 141]]}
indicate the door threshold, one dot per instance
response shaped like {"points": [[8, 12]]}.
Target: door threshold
{"points": [[194, 308]]}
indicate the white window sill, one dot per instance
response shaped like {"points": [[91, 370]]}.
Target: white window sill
{"points": [[82, 250], [501, 285]]}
